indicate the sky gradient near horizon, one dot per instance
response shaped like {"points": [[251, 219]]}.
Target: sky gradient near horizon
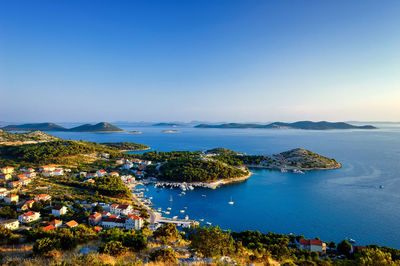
{"points": [[223, 60]]}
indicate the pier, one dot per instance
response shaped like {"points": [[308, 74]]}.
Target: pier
{"points": [[179, 222]]}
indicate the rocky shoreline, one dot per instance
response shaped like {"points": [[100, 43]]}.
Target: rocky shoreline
{"points": [[187, 185]]}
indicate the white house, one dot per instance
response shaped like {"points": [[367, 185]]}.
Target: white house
{"points": [[313, 245], [113, 222], [101, 173], [12, 224], [29, 217], [42, 197], [59, 210], [127, 166], [3, 192], [58, 172], [5, 177], [11, 198], [133, 222], [121, 209]]}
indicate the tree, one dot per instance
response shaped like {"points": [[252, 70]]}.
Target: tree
{"points": [[212, 242], [113, 248], [332, 245], [344, 247], [167, 233], [98, 208], [164, 255], [373, 257], [136, 241], [44, 245], [5, 234]]}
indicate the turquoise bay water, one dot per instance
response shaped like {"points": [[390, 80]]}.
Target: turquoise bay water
{"points": [[333, 204]]}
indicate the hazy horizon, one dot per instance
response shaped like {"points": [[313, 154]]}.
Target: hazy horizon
{"points": [[233, 61]]}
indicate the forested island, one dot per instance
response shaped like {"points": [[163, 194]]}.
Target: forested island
{"points": [[306, 125]]}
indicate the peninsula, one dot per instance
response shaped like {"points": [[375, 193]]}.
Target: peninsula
{"points": [[306, 125]]}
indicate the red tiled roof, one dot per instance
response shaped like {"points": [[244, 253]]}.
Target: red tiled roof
{"points": [[308, 242], [133, 217], [29, 213], [98, 228], [71, 223], [49, 227]]}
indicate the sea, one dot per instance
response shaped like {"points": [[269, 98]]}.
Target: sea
{"points": [[360, 201]]}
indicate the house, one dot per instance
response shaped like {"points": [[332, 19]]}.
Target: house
{"points": [[313, 245], [30, 175], [56, 223], [98, 229], [59, 210], [5, 177], [47, 168], [49, 227], [101, 173], [12, 224], [91, 175], [127, 166], [7, 170], [71, 224], [120, 161], [3, 192], [21, 176], [95, 218], [105, 155], [133, 222], [356, 248], [28, 170], [26, 205], [114, 174], [58, 172], [113, 222], [25, 180], [11, 198], [42, 197], [14, 184], [29, 217], [120, 209], [90, 180]]}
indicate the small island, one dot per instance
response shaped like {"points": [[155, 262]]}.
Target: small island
{"points": [[166, 125], [126, 146], [170, 131], [135, 132]]}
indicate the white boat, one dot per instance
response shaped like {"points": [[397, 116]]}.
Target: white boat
{"points": [[283, 170], [169, 208], [208, 223], [187, 217], [201, 220], [167, 213], [170, 198], [231, 202], [351, 240], [204, 196], [175, 217], [182, 211], [297, 171], [191, 187], [159, 209]]}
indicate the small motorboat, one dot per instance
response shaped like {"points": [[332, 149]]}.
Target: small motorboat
{"points": [[231, 202]]}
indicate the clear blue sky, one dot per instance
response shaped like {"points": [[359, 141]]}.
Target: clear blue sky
{"points": [[199, 60]]}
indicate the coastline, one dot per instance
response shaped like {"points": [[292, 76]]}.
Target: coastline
{"points": [[211, 185], [291, 167]]}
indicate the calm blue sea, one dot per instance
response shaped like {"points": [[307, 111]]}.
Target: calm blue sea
{"points": [[329, 204]]}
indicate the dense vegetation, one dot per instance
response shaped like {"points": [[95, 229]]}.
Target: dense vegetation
{"points": [[106, 185], [157, 156], [198, 170], [125, 146], [30, 136], [54, 151]]}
